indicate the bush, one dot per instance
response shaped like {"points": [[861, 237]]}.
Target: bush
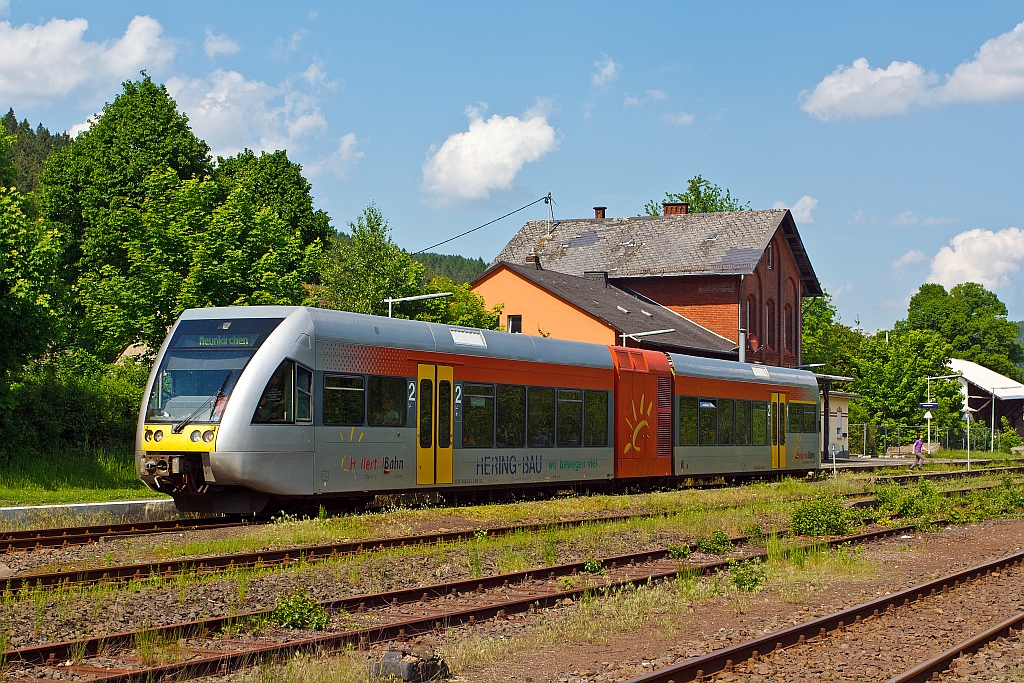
{"points": [[914, 501], [298, 610], [748, 576], [1008, 437], [716, 544], [822, 516], [71, 400]]}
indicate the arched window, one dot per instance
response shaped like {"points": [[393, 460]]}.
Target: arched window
{"points": [[750, 316], [770, 323], [790, 330]]}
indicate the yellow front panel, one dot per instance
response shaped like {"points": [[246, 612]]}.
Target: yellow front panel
{"points": [[179, 442], [445, 413], [425, 428]]}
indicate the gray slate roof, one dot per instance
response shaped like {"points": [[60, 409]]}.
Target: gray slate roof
{"points": [[728, 243], [625, 312]]}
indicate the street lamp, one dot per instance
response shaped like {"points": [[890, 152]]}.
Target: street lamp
{"points": [[634, 335], [414, 298]]}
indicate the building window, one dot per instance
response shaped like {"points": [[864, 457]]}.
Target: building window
{"points": [[788, 329], [769, 258], [770, 321], [515, 324], [752, 317]]}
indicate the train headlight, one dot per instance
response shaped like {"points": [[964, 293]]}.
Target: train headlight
{"points": [[158, 435], [149, 435], [195, 436], [207, 436]]}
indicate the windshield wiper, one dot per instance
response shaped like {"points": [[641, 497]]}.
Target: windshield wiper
{"points": [[220, 392]]}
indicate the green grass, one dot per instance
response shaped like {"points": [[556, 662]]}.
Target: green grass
{"points": [[71, 475]]}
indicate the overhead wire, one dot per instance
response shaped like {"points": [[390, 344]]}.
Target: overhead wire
{"points": [[546, 198]]}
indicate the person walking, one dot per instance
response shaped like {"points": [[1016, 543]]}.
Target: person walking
{"points": [[918, 454]]}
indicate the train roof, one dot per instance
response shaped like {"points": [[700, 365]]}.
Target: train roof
{"points": [[712, 368], [356, 328]]}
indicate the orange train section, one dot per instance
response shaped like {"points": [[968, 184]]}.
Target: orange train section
{"points": [[643, 413]]}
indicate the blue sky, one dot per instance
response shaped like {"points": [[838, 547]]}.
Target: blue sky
{"points": [[893, 130]]}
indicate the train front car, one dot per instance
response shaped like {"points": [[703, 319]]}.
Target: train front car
{"points": [[743, 419], [219, 371]]}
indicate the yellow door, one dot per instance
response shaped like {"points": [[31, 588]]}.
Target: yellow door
{"points": [[434, 424], [777, 427]]}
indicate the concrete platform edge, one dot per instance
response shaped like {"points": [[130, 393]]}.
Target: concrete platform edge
{"points": [[147, 510]]}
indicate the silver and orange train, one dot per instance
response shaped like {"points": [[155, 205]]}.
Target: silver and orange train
{"points": [[263, 408]]}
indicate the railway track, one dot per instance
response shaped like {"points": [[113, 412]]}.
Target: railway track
{"points": [[947, 474], [212, 564], [894, 637], [63, 537], [295, 556], [201, 648]]}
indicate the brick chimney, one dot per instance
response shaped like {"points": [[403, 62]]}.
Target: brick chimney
{"points": [[533, 259], [674, 208], [599, 211]]}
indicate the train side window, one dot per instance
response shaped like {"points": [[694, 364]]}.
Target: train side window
{"points": [[511, 416], [796, 417], [595, 418], [742, 423], [760, 421], [540, 420], [303, 394], [477, 415], [275, 406], [726, 421], [708, 422], [386, 398], [811, 419], [570, 417], [344, 402], [687, 421]]}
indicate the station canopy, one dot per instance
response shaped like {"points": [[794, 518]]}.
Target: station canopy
{"points": [[989, 381]]}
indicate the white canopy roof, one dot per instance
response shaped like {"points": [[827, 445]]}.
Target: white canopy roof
{"points": [[990, 381]]}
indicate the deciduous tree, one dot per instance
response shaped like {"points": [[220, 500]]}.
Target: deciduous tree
{"points": [[702, 196]]}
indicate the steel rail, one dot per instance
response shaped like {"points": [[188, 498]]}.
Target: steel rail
{"points": [[227, 660], [211, 564], [724, 659], [925, 671], [63, 537], [947, 474]]}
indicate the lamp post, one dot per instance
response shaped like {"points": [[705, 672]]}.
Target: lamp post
{"points": [[414, 298], [967, 418], [634, 335]]}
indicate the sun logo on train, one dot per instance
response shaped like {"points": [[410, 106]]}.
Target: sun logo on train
{"points": [[638, 423], [348, 463]]}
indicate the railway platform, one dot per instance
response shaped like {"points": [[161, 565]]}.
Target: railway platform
{"points": [[147, 510]]}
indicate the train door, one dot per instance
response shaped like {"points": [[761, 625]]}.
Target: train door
{"points": [[643, 410], [777, 426], [435, 401]]}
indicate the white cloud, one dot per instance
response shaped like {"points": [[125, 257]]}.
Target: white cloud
{"points": [[219, 45], [680, 119], [911, 258], [47, 62], [231, 113], [928, 222], [340, 161], [857, 218], [79, 127], [905, 218], [802, 210], [651, 96], [488, 156], [996, 73], [607, 71], [5, 7], [978, 255]]}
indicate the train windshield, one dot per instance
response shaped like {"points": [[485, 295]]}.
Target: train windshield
{"points": [[201, 365]]}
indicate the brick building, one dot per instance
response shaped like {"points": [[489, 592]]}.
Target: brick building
{"points": [[722, 272]]}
